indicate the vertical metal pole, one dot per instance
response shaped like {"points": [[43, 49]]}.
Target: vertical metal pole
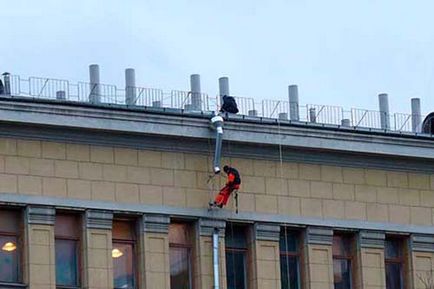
{"points": [[94, 86], [416, 118], [293, 102], [383, 101], [196, 100], [130, 86], [223, 88], [215, 258]]}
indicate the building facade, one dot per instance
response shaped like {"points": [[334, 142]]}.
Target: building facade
{"points": [[102, 197]]}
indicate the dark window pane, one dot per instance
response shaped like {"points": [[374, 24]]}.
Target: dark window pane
{"points": [[67, 262], [288, 241], [123, 271], [393, 248], [180, 268], [342, 273], [393, 276], [9, 221], [289, 271], [236, 269], [236, 237], [341, 245], [9, 259], [179, 233]]}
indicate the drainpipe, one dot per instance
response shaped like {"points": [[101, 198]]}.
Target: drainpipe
{"points": [[215, 257], [217, 124]]}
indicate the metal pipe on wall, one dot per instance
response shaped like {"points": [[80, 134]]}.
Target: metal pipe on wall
{"points": [[215, 258], [217, 124]]}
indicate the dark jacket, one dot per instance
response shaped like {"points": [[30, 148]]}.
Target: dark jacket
{"points": [[229, 105]]}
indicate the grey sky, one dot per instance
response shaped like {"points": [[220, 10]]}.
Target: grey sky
{"points": [[338, 52]]}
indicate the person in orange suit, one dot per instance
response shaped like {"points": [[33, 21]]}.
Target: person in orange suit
{"points": [[233, 183]]}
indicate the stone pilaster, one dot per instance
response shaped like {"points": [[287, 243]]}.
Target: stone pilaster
{"points": [[421, 264], [97, 250], [318, 258], [39, 265], [153, 246]]}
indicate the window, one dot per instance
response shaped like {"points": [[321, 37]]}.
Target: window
{"points": [[10, 259], [123, 252], [236, 255], [67, 240], [393, 263], [289, 259], [342, 257], [180, 248]]}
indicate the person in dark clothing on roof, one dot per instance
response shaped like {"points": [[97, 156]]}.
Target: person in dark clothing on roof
{"points": [[233, 183], [229, 105]]}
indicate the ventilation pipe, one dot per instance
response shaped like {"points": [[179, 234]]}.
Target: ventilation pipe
{"points": [[253, 112], [416, 117], [312, 114], [215, 258], [345, 122], [94, 86], [60, 95], [7, 80], [223, 88], [383, 101], [130, 86], [293, 102], [217, 124], [196, 101], [283, 116]]}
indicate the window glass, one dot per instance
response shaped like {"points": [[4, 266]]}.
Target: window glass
{"points": [[236, 254], [9, 246], [123, 255], [67, 247], [289, 259], [342, 257], [394, 263], [180, 255]]}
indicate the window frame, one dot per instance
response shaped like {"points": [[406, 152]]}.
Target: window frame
{"points": [[244, 251], [79, 247], [133, 243], [296, 254], [349, 258], [20, 254], [398, 260], [189, 248]]}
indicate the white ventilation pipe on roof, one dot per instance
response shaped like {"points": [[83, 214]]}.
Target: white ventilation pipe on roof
{"points": [[94, 86], [215, 258], [416, 117], [383, 101], [217, 124], [130, 86], [223, 88], [196, 100], [293, 102]]}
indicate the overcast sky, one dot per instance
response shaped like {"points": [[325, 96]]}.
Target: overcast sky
{"points": [[338, 52]]}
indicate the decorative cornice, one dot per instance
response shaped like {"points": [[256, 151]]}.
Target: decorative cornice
{"points": [[422, 243], [99, 219], [40, 215], [319, 235], [371, 239], [267, 231], [156, 223], [207, 227]]}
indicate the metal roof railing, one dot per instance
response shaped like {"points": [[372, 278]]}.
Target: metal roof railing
{"points": [[49, 88]]}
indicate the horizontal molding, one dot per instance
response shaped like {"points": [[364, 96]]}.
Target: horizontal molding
{"points": [[372, 239], [99, 219], [40, 215], [207, 227], [267, 231], [224, 215], [422, 243], [319, 235], [156, 223]]}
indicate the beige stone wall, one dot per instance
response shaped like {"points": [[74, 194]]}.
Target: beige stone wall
{"points": [[180, 179], [318, 267], [39, 265], [97, 263]]}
